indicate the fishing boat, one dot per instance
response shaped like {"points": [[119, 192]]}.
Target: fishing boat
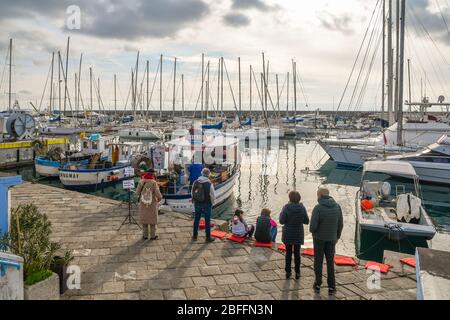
{"points": [[48, 165], [432, 164], [389, 213], [99, 172], [187, 156]]}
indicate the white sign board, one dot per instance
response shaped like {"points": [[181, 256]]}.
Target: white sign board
{"points": [[129, 172], [128, 184]]}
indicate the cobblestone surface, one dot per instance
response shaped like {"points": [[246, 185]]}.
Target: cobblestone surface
{"points": [[118, 264]]}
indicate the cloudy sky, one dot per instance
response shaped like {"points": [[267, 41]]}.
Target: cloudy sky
{"points": [[322, 36]]}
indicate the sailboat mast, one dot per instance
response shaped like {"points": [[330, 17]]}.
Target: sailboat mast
{"points": [[251, 86], [240, 87], [10, 75], [66, 74], [294, 66], [174, 86], [182, 95], [79, 82], [203, 82], [51, 82], [397, 57], [90, 92], [383, 87], [287, 95], [401, 74], [207, 91], [390, 67], [278, 95], [221, 84], [409, 84], [148, 83], [59, 81], [160, 85], [115, 96]]}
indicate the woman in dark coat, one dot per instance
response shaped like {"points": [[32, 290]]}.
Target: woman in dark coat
{"points": [[293, 217]]}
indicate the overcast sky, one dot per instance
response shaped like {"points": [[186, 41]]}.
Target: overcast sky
{"points": [[323, 36]]}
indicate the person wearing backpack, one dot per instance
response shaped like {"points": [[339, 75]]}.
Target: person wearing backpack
{"points": [[149, 198], [203, 197]]}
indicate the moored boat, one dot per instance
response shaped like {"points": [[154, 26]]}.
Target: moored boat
{"points": [[389, 213]]}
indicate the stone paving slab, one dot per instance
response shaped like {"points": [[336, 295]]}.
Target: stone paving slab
{"points": [[119, 265]]}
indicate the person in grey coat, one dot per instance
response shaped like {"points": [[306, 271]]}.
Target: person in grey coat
{"points": [[293, 217], [326, 228]]}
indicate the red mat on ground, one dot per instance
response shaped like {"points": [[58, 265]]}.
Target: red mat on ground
{"points": [[345, 261], [375, 266], [308, 252], [202, 224], [218, 234], [409, 261], [282, 248], [237, 239], [262, 245]]}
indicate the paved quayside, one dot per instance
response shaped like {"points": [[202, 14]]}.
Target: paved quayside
{"points": [[119, 265]]}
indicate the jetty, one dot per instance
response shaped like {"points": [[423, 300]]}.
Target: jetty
{"points": [[118, 264]]}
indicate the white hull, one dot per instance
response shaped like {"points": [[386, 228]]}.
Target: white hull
{"points": [[140, 134], [91, 178], [356, 156], [433, 172], [186, 205], [47, 171]]}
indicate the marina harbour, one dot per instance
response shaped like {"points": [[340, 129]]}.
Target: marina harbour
{"points": [[268, 174]]}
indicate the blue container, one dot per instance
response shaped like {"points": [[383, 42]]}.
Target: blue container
{"points": [[195, 171]]}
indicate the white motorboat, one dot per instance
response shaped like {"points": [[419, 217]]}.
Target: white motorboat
{"points": [[432, 164], [389, 213], [415, 135]]}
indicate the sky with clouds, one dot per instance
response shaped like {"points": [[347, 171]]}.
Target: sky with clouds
{"points": [[322, 36]]}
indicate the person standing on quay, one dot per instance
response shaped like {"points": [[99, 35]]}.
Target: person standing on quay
{"points": [[326, 228], [149, 198], [203, 197], [293, 217]]}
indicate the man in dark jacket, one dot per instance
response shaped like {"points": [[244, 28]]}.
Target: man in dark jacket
{"points": [[293, 217], [326, 228], [263, 227], [203, 197]]}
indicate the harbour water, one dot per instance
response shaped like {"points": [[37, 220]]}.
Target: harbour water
{"points": [[269, 173]]}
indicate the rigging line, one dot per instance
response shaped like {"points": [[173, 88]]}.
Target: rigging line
{"points": [[442, 16], [231, 88], [4, 69], [153, 87], [363, 66], [195, 85], [435, 45], [369, 72], [421, 65], [357, 57], [45, 87], [302, 88]]}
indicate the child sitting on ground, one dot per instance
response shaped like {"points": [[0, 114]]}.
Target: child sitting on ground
{"points": [[239, 227], [266, 228]]}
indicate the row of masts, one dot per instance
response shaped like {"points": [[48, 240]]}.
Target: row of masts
{"points": [[137, 95]]}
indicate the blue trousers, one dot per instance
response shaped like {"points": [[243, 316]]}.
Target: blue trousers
{"points": [[274, 232], [203, 209]]}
